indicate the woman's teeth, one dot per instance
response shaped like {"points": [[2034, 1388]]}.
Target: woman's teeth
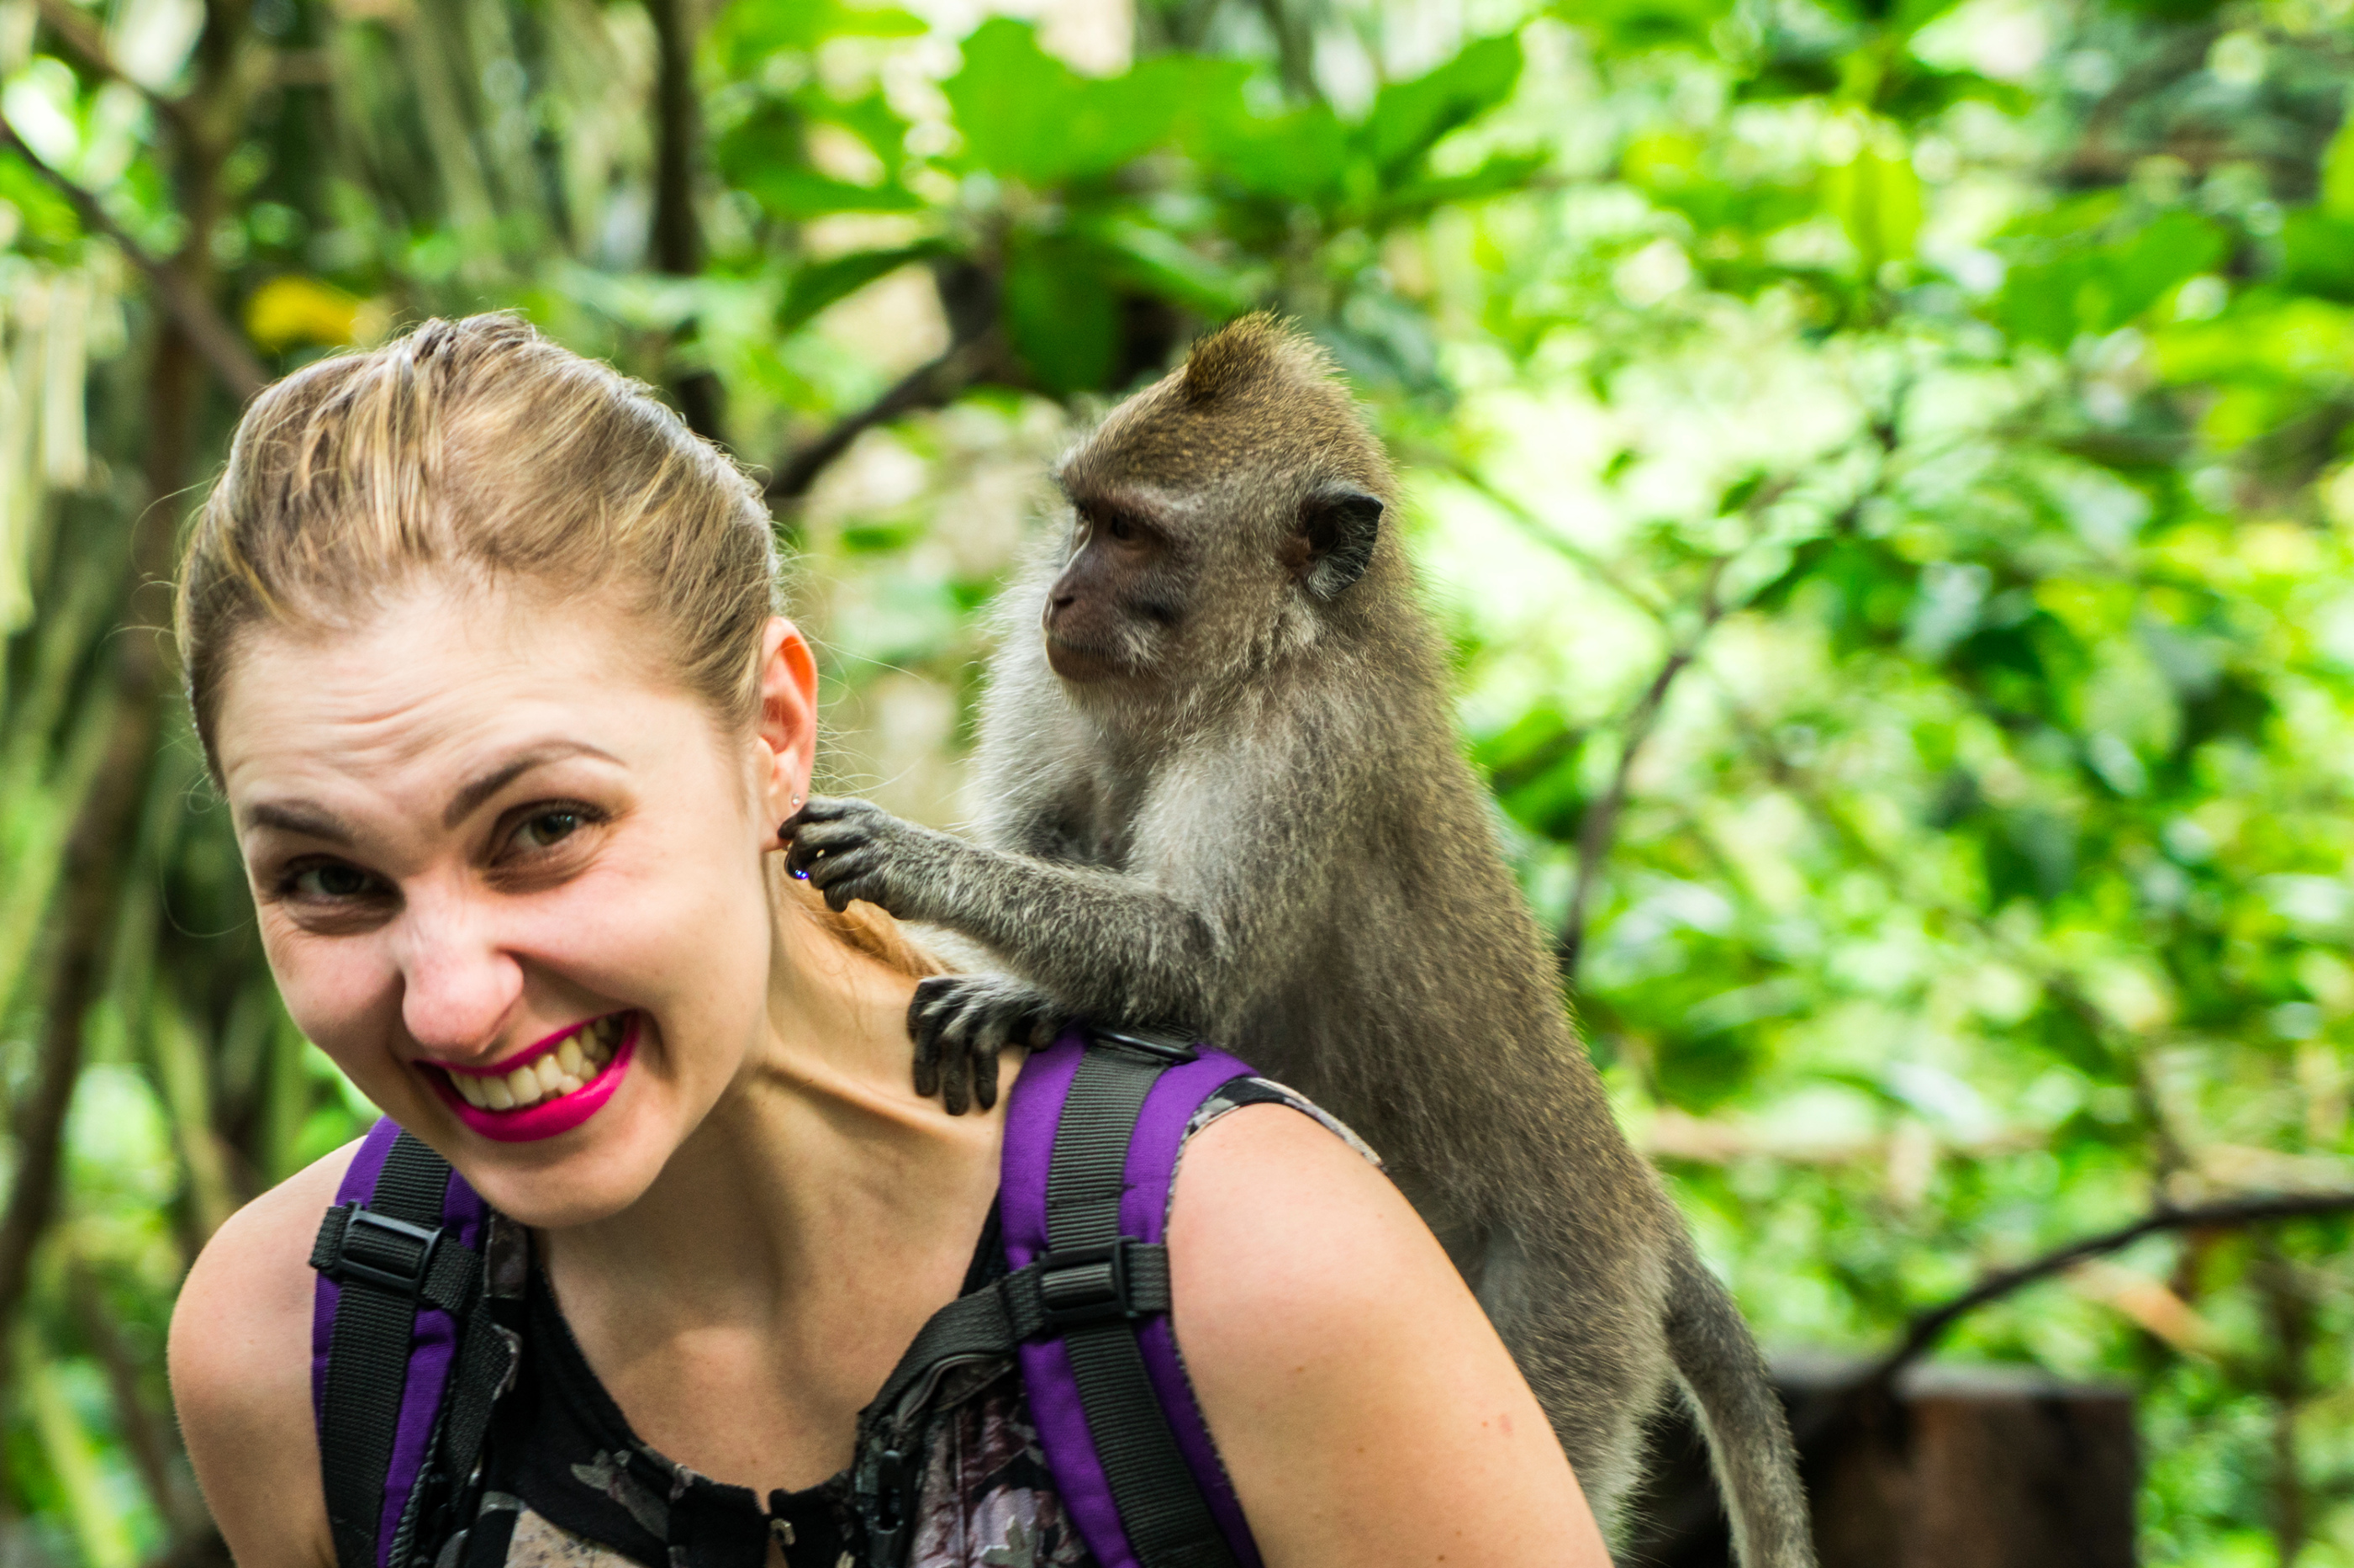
{"points": [[581, 1057]]}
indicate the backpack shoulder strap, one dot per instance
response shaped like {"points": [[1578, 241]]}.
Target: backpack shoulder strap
{"points": [[1094, 1127], [398, 1302]]}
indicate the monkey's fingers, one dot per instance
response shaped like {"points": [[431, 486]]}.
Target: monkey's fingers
{"points": [[923, 1027], [821, 809], [984, 1080], [955, 1059], [846, 875]]}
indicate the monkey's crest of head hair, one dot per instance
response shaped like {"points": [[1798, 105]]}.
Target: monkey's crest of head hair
{"points": [[1247, 354], [478, 452], [1257, 402]]}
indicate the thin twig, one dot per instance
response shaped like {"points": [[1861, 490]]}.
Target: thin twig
{"points": [[221, 344], [1928, 1327], [142, 1432], [1600, 824], [929, 385], [83, 36]]}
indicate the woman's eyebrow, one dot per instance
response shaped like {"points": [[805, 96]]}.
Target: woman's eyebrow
{"points": [[295, 817], [468, 799]]}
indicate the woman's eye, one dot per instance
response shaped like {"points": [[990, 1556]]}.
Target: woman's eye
{"points": [[543, 829], [330, 880]]}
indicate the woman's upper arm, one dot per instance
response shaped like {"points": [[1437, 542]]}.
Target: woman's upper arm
{"points": [[240, 1365], [1366, 1411]]}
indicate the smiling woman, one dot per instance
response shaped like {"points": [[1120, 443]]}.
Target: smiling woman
{"points": [[483, 652]]}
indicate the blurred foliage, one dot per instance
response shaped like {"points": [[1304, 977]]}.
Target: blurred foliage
{"points": [[1883, 464]]}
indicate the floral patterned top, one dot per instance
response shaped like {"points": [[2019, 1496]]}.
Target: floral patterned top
{"points": [[567, 1485]]}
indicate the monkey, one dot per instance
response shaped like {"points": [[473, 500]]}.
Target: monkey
{"points": [[1223, 796]]}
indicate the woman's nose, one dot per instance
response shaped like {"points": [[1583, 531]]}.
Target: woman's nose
{"points": [[459, 984]]}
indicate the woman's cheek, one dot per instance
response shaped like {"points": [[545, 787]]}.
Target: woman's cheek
{"points": [[334, 992]]}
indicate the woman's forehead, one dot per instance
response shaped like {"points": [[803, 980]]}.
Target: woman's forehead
{"points": [[431, 683]]}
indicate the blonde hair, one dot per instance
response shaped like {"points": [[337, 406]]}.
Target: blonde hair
{"points": [[479, 448]]}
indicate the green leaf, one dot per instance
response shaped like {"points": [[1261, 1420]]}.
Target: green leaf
{"points": [[2100, 289], [748, 31], [820, 283], [1632, 27], [1026, 115], [1297, 156], [1500, 175], [2337, 172], [2317, 254], [1061, 314], [1876, 197], [1159, 262], [1408, 117], [804, 193]]}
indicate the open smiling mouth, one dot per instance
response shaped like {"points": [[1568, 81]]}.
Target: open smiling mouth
{"points": [[554, 1087]]}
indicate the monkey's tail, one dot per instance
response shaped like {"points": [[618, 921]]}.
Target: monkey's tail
{"points": [[1748, 1438]]}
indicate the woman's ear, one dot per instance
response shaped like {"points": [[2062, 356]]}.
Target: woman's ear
{"points": [[788, 719]]}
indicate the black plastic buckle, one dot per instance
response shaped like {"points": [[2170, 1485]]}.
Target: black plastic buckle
{"points": [[1173, 1048], [1085, 1286], [394, 1254]]}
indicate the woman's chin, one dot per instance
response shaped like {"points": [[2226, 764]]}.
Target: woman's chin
{"points": [[592, 1179], [578, 1165]]}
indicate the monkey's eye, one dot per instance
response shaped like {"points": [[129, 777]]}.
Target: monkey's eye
{"points": [[1119, 528]]}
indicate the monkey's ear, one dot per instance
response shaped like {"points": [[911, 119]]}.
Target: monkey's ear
{"points": [[1339, 524]]}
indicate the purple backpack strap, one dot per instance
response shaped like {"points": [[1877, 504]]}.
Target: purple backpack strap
{"points": [[399, 1273], [1039, 1163]]}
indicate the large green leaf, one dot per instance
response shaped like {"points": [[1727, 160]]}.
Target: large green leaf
{"points": [[1026, 115], [820, 283], [2098, 289], [1061, 313], [1293, 157], [1158, 262], [1408, 117]]}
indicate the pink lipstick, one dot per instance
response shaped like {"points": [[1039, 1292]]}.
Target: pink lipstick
{"points": [[549, 1088]]}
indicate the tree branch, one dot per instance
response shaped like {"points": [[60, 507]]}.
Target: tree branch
{"points": [[1600, 824], [677, 240], [222, 346], [1928, 1327], [929, 385], [84, 37]]}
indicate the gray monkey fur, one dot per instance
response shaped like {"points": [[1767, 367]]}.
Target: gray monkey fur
{"points": [[1251, 819]]}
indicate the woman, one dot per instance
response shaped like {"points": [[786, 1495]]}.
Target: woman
{"points": [[482, 650]]}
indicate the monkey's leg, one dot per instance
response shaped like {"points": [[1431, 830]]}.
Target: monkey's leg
{"points": [[960, 1023], [1582, 1324]]}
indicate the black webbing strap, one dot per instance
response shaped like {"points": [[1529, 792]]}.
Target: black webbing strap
{"points": [[993, 1320], [1168, 1521], [389, 1258]]}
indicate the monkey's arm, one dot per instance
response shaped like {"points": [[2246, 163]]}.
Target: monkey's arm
{"points": [[1106, 944]]}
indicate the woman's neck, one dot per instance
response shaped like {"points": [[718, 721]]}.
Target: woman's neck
{"points": [[819, 1158]]}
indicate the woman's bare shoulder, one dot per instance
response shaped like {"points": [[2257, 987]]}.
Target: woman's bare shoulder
{"points": [[1364, 1407], [240, 1366]]}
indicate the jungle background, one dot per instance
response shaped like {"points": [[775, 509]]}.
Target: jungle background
{"points": [[1881, 465]]}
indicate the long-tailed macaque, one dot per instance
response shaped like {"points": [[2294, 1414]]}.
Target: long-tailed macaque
{"points": [[1223, 795]]}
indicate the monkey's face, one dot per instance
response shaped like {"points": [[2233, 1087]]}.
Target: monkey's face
{"points": [[1123, 602]]}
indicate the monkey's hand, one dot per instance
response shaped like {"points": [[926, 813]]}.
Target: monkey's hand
{"points": [[959, 1024], [850, 849]]}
